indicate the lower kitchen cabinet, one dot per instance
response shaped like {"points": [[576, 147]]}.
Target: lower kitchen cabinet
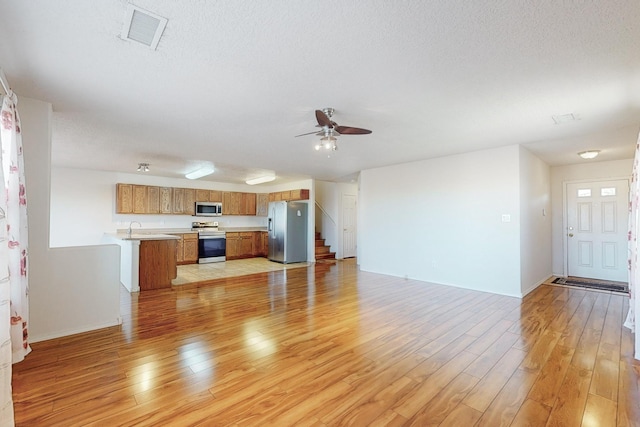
{"points": [[187, 248], [190, 248], [233, 245], [156, 265], [260, 244], [245, 244]]}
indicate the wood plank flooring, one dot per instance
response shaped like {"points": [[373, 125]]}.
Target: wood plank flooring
{"points": [[328, 345]]}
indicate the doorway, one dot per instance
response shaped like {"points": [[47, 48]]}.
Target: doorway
{"points": [[348, 226], [596, 229]]}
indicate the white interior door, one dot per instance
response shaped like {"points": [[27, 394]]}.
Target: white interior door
{"points": [[348, 225], [597, 222]]}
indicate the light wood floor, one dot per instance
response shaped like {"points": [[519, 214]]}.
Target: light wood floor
{"points": [[330, 345]]}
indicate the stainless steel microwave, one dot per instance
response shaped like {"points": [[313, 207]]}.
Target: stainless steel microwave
{"points": [[208, 208]]}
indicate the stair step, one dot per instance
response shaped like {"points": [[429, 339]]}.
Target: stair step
{"points": [[322, 250], [330, 255]]}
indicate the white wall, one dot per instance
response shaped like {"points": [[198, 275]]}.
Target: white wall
{"points": [[440, 220], [589, 170], [83, 205], [71, 290], [535, 221]]}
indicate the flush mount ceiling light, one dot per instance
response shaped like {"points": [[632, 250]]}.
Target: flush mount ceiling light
{"points": [[142, 26], [261, 179], [589, 154], [199, 173], [565, 118], [143, 167]]}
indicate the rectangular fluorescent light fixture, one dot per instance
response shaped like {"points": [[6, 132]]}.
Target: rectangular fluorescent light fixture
{"points": [[261, 180], [199, 173], [142, 26], [565, 118]]}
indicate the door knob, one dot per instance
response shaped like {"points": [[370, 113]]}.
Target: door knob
{"points": [[570, 234]]}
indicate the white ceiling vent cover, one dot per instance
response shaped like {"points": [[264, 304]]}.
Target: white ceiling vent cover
{"points": [[143, 26]]}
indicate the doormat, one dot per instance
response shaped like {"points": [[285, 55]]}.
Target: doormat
{"points": [[593, 284]]}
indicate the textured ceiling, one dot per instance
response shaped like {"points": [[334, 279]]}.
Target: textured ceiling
{"points": [[233, 81]]}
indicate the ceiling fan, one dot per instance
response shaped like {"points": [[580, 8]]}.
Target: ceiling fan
{"points": [[331, 129]]}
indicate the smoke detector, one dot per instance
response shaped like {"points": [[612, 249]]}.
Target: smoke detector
{"points": [[142, 26]]}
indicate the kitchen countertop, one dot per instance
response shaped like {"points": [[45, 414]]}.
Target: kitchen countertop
{"points": [[153, 233], [241, 229], [142, 236]]}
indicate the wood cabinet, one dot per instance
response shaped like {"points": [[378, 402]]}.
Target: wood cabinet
{"points": [[139, 199], [246, 245], [208, 195], [262, 204], [236, 203], [157, 264], [178, 201], [153, 200], [289, 195], [202, 195], [190, 248], [248, 205], [124, 198], [166, 200], [260, 244], [187, 248], [215, 196], [300, 194], [233, 245], [240, 245], [189, 201], [146, 199]]}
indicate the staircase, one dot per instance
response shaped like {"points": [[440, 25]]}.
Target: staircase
{"points": [[322, 250]]}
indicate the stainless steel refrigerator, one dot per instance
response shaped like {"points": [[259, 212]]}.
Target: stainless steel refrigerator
{"points": [[287, 229]]}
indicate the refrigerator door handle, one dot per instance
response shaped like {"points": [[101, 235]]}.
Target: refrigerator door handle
{"points": [[270, 226]]}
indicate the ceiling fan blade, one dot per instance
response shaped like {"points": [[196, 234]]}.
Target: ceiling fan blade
{"points": [[323, 119], [303, 134], [347, 130]]}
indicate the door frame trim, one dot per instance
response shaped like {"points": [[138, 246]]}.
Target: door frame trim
{"points": [[565, 207]]}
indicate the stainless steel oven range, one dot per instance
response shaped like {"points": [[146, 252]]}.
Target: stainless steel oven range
{"points": [[212, 243]]}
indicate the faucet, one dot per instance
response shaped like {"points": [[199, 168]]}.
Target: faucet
{"points": [[129, 229]]}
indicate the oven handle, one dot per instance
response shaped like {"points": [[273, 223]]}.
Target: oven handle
{"points": [[211, 237]]}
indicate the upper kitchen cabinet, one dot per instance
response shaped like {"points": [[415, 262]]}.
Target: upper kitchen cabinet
{"points": [[248, 206], [236, 203], [166, 200], [189, 201], [178, 201], [289, 195], [215, 196], [124, 198], [262, 204], [208, 196], [146, 199], [153, 200]]}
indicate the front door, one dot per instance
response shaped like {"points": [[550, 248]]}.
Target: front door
{"points": [[348, 226], [597, 222]]}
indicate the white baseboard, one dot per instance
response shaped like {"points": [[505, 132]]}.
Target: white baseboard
{"points": [[60, 334]]}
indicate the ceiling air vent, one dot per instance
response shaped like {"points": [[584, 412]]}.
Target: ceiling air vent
{"points": [[142, 26]]}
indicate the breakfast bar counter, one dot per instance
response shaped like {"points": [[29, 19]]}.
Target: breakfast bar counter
{"points": [[147, 261]]}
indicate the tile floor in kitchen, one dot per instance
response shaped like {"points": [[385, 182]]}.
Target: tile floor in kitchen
{"points": [[191, 273]]}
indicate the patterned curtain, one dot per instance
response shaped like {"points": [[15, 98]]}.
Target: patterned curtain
{"points": [[634, 223], [14, 289]]}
